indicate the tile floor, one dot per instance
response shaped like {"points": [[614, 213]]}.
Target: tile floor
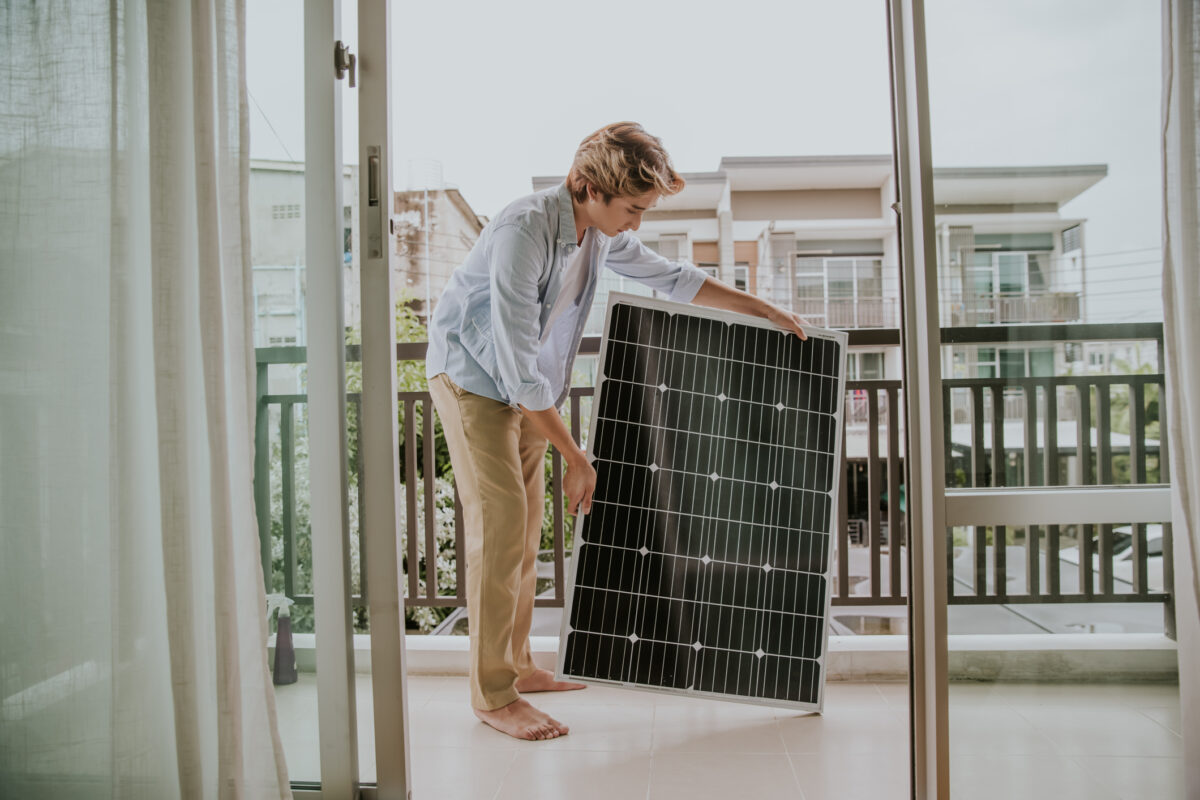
{"points": [[1027, 741]]}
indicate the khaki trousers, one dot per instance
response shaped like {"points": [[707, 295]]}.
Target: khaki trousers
{"points": [[498, 463]]}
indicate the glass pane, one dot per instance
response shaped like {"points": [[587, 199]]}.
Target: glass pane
{"points": [[841, 278], [741, 278], [786, 220], [1075, 240], [872, 366], [1038, 263], [808, 286], [274, 59], [1011, 268], [1041, 362], [868, 273], [1012, 363]]}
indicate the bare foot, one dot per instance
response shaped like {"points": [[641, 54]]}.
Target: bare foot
{"points": [[521, 720], [543, 681]]}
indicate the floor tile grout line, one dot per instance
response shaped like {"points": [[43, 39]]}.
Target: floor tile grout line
{"points": [[1168, 729], [1088, 779], [1038, 730], [500, 783], [792, 766], [650, 770]]}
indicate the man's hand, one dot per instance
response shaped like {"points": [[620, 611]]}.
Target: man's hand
{"points": [[787, 320], [719, 295], [579, 483], [580, 480]]}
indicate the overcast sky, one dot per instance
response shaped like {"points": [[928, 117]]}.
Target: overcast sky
{"points": [[499, 92]]}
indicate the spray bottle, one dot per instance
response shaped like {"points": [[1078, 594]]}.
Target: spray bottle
{"points": [[284, 671]]}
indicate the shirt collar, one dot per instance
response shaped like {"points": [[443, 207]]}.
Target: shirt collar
{"points": [[567, 235]]}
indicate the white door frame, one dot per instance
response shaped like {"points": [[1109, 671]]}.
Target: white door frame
{"points": [[923, 403], [380, 445], [328, 469]]}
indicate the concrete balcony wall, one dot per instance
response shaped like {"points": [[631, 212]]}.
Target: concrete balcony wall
{"points": [[1053, 658]]}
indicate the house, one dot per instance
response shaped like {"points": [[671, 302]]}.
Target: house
{"points": [[817, 235]]}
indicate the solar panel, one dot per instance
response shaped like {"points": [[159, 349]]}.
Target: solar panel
{"points": [[703, 567]]}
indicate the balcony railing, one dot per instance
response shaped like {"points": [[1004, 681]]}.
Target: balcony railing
{"points": [[1011, 307], [983, 450], [863, 312]]}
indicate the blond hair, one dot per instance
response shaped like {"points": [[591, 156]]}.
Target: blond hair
{"points": [[622, 160]]}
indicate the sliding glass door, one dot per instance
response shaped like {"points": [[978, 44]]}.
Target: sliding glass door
{"points": [[1046, 605]]}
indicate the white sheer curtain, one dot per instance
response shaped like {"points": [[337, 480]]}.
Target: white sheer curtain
{"points": [[133, 649], [1181, 312]]}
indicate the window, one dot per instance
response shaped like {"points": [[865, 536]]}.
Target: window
{"points": [[842, 292], [673, 246], [1012, 364], [1041, 362], [741, 277], [864, 366], [1008, 273], [1072, 239], [1004, 362], [713, 270], [985, 363], [286, 211]]}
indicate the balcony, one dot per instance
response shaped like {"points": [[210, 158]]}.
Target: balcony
{"points": [[862, 312], [1100, 741], [1018, 602], [1011, 307], [985, 447]]}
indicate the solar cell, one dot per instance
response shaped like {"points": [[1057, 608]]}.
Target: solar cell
{"points": [[703, 567]]}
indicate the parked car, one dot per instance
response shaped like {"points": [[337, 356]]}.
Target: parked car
{"points": [[1122, 559]]}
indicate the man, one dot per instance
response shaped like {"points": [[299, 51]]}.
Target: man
{"points": [[501, 347]]}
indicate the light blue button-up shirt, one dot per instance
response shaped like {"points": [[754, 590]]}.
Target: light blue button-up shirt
{"points": [[487, 331]]}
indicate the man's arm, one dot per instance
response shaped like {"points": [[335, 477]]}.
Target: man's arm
{"points": [[716, 294], [580, 480]]}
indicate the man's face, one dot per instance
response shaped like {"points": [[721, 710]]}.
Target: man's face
{"points": [[620, 213]]}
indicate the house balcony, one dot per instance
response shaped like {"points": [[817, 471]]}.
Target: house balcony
{"points": [[1003, 308], [849, 313], [1085, 606], [1085, 741]]}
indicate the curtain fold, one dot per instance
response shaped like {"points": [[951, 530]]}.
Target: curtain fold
{"points": [[1181, 303], [133, 642]]}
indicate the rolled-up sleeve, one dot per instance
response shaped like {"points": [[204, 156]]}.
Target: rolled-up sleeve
{"points": [[517, 260], [679, 280]]}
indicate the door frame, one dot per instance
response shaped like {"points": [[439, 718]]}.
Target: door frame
{"points": [[921, 347]]}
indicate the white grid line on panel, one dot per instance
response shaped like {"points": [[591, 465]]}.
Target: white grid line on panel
{"points": [[702, 647], [714, 519], [710, 475], [775, 405], [722, 358]]}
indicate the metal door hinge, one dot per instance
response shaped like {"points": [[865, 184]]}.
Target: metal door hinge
{"points": [[344, 60]]}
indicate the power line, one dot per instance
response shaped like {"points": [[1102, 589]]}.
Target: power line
{"points": [[1092, 281], [269, 125]]}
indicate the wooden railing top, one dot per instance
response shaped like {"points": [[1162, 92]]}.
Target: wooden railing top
{"points": [[858, 337]]}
